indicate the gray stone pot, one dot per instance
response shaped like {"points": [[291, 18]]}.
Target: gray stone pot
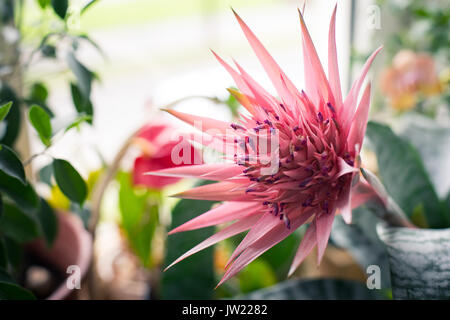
{"points": [[419, 260]]}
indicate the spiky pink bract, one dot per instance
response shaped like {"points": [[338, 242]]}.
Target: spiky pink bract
{"points": [[319, 138]]}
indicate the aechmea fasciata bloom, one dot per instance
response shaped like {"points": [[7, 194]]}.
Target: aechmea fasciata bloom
{"points": [[318, 138]]}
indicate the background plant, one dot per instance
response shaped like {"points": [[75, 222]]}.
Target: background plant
{"points": [[25, 215]]}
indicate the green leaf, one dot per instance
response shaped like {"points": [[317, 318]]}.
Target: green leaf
{"points": [[360, 239], [15, 252], [10, 132], [233, 105], [432, 141], [39, 92], [48, 222], [139, 214], [83, 75], [82, 104], [404, 176], [22, 194], [448, 203], [4, 276], [41, 122], [3, 254], [10, 164], [88, 5], [18, 225], [258, 274], [69, 181], [45, 174], [60, 7], [78, 121], [317, 289], [82, 212], [11, 291], [43, 3], [4, 110], [192, 278]]}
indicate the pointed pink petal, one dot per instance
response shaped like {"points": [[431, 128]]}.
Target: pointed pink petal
{"points": [[226, 212], [235, 228], [316, 82], [206, 123], [362, 193], [270, 66], [345, 205], [262, 97], [309, 241], [350, 102], [213, 171], [266, 223], [345, 168], [242, 86], [359, 123], [324, 222], [277, 234], [333, 69], [221, 191]]}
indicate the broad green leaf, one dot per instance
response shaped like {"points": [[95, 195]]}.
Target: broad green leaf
{"points": [[280, 256], [360, 239], [257, 275], [82, 212], [18, 225], [41, 122], [43, 3], [48, 222], [139, 214], [69, 181], [4, 110], [83, 75], [22, 194], [15, 253], [39, 92], [1, 206], [11, 123], [3, 254], [192, 278], [448, 203], [432, 141], [10, 164], [11, 291], [404, 176], [4, 276], [60, 7], [45, 174], [317, 289], [82, 104]]}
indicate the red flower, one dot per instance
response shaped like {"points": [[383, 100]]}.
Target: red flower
{"points": [[157, 143]]}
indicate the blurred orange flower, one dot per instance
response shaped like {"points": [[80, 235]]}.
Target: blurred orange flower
{"points": [[410, 75]]}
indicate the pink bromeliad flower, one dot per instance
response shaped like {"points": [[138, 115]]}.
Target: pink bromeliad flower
{"points": [[319, 138]]}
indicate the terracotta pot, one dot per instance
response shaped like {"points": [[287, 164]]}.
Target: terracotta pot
{"points": [[72, 246], [419, 260]]}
